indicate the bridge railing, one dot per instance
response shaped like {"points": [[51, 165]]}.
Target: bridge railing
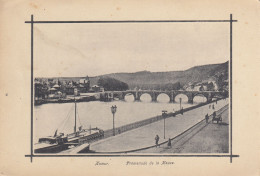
{"points": [[131, 126], [118, 91]]}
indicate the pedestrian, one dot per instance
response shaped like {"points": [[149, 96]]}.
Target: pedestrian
{"points": [[213, 106], [169, 143], [207, 118], [209, 106], [214, 114], [157, 138]]}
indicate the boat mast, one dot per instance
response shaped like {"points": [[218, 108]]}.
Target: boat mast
{"points": [[75, 129]]}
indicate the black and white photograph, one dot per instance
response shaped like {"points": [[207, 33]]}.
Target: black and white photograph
{"points": [[131, 88], [121, 87]]}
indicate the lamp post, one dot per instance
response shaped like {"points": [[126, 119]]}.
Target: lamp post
{"points": [[113, 110], [164, 116], [180, 103]]}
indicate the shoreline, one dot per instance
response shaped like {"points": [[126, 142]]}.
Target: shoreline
{"points": [[138, 124], [133, 128], [60, 101]]}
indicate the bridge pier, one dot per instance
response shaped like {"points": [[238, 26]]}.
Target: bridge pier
{"points": [[154, 98], [137, 96], [172, 97], [190, 100], [190, 96], [121, 96], [172, 100]]}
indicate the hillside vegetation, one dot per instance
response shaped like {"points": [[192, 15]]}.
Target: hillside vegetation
{"points": [[176, 80], [172, 79]]}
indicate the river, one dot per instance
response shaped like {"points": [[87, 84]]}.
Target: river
{"points": [[49, 117]]}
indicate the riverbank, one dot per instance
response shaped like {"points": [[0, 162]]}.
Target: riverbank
{"points": [[67, 100], [143, 137], [138, 124]]}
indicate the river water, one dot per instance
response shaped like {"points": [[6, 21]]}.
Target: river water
{"points": [[50, 117]]}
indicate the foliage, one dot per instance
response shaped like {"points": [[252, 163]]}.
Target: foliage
{"points": [[110, 84], [163, 80], [210, 86], [41, 90]]}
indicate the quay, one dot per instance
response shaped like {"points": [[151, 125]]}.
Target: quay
{"points": [[202, 138], [142, 137], [69, 99]]}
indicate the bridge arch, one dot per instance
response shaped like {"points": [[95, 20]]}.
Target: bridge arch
{"points": [[184, 97], [174, 95], [200, 98], [146, 97], [163, 97], [128, 97]]}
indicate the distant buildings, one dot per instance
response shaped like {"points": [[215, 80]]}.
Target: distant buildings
{"points": [[55, 89], [82, 86], [202, 86], [95, 88]]}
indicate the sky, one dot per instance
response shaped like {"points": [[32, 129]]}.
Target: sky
{"points": [[68, 50]]}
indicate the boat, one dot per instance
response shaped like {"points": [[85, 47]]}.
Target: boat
{"points": [[60, 142]]}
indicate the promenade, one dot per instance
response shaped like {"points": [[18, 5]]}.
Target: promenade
{"points": [[204, 138], [144, 136]]}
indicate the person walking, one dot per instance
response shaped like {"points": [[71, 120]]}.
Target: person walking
{"points": [[207, 118], [214, 114], [173, 113], [157, 138], [169, 144]]}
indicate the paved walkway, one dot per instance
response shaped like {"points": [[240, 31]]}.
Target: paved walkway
{"points": [[206, 138], [144, 136]]}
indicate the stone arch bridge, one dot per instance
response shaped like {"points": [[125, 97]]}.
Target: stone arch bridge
{"points": [[110, 95]]}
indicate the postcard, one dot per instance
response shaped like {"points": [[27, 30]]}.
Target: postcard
{"points": [[129, 87]]}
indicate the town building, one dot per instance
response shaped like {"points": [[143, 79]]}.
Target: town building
{"points": [[95, 88]]}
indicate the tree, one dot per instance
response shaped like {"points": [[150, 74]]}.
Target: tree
{"points": [[112, 84], [220, 81], [41, 90], [38, 90], [210, 86]]}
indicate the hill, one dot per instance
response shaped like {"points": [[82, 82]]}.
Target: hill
{"points": [[146, 79], [217, 73]]}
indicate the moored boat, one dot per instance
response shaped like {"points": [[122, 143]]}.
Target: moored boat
{"points": [[60, 142]]}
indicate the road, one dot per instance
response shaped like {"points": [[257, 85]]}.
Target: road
{"points": [[205, 138]]}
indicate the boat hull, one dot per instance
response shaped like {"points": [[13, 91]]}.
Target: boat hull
{"points": [[52, 149]]}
